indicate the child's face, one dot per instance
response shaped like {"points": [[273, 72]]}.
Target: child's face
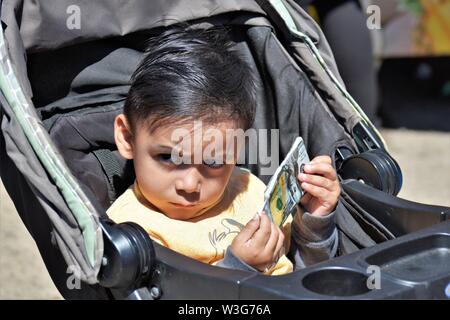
{"points": [[179, 191]]}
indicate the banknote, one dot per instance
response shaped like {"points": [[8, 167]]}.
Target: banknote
{"points": [[283, 192]]}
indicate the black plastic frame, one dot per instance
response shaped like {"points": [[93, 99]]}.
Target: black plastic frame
{"points": [[398, 215], [413, 266], [179, 277]]}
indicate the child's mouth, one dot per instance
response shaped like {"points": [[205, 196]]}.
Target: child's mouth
{"points": [[179, 205]]}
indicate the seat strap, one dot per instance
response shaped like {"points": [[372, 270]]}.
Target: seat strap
{"points": [[112, 169]]}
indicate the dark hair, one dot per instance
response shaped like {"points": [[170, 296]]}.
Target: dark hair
{"points": [[188, 75]]}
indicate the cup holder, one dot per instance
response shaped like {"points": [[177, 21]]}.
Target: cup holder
{"points": [[417, 260], [336, 282]]}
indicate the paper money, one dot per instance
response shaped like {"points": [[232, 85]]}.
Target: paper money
{"points": [[283, 191]]}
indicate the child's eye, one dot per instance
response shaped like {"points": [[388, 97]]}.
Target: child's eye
{"points": [[165, 157], [212, 164]]}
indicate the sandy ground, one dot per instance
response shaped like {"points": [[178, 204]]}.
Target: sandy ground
{"points": [[423, 156], [22, 272]]}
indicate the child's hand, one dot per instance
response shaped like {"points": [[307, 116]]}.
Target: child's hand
{"points": [[260, 243], [321, 185]]}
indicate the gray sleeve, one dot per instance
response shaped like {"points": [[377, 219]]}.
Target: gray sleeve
{"points": [[314, 239], [230, 261]]}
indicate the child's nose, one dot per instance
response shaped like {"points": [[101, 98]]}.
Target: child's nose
{"points": [[190, 182]]}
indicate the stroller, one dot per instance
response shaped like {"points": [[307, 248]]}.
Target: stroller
{"points": [[64, 75]]}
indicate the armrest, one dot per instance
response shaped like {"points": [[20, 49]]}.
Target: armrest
{"points": [[398, 215]]}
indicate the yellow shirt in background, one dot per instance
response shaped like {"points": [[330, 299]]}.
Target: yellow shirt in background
{"points": [[205, 237]]}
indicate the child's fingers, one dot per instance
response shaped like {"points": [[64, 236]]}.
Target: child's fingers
{"points": [[317, 192], [250, 228], [263, 233], [318, 181], [273, 239], [321, 168], [279, 248], [321, 159], [305, 199]]}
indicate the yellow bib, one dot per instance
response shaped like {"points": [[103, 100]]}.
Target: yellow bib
{"points": [[205, 237]]}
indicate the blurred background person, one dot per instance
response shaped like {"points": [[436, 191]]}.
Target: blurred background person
{"points": [[344, 25], [413, 46], [399, 72]]}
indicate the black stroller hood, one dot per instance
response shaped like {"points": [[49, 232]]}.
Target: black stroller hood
{"points": [[42, 26], [65, 68]]}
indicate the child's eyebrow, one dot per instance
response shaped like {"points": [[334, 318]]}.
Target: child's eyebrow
{"points": [[168, 148], [162, 146]]}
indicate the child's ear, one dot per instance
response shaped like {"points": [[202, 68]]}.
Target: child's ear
{"points": [[123, 137]]}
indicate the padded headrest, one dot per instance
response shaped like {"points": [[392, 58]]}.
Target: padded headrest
{"points": [[85, 139]]}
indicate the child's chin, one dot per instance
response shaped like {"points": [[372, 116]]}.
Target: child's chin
{"points": [[180, 213]]}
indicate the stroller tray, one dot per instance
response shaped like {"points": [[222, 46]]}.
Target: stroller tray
{"points": [[418, 260]]}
